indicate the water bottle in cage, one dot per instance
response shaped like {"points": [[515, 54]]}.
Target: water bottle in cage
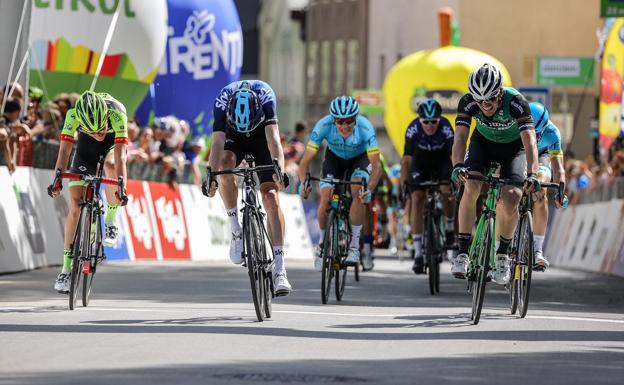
{"points": [[342, 233]]}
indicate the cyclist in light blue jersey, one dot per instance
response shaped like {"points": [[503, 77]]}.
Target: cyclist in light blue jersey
{"points": [[550, 168], [352, 152]]}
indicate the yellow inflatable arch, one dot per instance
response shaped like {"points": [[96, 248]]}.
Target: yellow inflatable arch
{"points": [[440, 73]]}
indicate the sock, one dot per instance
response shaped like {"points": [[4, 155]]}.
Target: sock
{"points": [[450, 224], [355, 236], [463, 241], [417, 239], [111, 214], [367, 240], [538, 241], [233, 215], [322, 231], [67, 261], [503, 246], [280, 266]]}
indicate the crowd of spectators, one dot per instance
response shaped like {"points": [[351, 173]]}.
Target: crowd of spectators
{"points": [[163, 150], [587, 176]]}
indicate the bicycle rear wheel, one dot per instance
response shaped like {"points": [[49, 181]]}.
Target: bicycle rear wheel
{"points": [[341, 278], [256, 273], [525, 263], [479, 279], [330, 251], [268, 289], [78, 249]]}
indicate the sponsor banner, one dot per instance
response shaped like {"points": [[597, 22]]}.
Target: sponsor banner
{"points": [[208, 227], [170, 221], [565, 71], [142, 230], [297, 238], [119, 250]]}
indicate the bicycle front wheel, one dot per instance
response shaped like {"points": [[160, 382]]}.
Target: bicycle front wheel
{"points": [[330, 251], [481, 269], [251, 234], [526, 258], [94, 251], [430, 254], [79, 248]]}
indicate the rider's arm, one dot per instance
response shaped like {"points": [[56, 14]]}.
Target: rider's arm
{"points": [[459, 140], [67, 140], [519, 110], [377, 170], [216, 149], [275, 145], [119, 121], [406, 161], [308, 155]]}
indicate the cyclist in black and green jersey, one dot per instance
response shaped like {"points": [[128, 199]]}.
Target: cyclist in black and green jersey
{"points": [[102, 126], [504, 133]]}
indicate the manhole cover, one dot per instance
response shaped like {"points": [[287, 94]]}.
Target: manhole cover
{"points": [[289, 378]]}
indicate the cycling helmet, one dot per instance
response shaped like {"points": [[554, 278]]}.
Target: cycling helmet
{"points": [[540, 116], [429, 109], [344, 107], [485, 82], [244, 109], [91, 112]]}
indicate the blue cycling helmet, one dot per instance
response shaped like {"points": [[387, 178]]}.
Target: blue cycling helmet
{"points": [[429, 109], [344, 107], [244, 109], [540, 116]]}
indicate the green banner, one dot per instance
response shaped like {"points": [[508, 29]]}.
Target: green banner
{"points": [[565, 71], [611, 8]]}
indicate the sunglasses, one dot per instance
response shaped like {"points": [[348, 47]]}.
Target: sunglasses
{"points": [[490, 100], [430, 121], [345, 121]]}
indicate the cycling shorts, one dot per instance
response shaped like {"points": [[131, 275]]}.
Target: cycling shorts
{"points": [[336, 167], [510, 156], [254, 145], [426, 170], [87, 154]]}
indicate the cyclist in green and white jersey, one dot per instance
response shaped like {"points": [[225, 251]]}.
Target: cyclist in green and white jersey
{"points": [[102, 126], [504, 133]]}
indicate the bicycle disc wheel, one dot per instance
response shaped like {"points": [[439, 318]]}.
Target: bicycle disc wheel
{"points": [[93, 253], [525, 263], [78, 248], [483, 251], [250, 235], [329, 253]]}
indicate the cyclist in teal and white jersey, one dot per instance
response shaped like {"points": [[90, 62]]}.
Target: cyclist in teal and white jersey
{"points": [[504, 133], [550, 168], [352, 149]]}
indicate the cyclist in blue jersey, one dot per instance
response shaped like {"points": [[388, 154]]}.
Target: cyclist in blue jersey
{"points": [[245, 122], [550, 168], [427, 156], [352, 152]]}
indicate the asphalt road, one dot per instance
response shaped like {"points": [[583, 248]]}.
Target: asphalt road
{"points": [[192, 323]]}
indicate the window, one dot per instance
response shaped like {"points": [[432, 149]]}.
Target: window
{"points": [[325, 67], [353, 64], [312, 68], [339, 67]]}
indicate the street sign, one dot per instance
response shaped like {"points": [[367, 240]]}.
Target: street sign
{"points": [[611, 8], [537, 94], [565, 71]]}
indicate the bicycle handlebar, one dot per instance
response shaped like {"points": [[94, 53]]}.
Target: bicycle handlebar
{"points": [[333, 181]]}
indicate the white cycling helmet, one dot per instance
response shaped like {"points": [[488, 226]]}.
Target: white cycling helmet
{"points": [[485, 82]]}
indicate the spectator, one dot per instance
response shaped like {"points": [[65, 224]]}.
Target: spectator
{"points": [[297, 143], [21, 147]]}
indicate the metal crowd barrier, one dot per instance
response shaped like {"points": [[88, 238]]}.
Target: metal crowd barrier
{"points": [[604, 192]]}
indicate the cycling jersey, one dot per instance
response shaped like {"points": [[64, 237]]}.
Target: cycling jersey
{"points": [[417, 141], [267, 99], [117, 121], [549, 141], [512, 117], [361, 140]]}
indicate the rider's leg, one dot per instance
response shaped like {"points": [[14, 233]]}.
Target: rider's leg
{"points": [[325, 196], [467, 214], [111, 199], [356, 214], [76, 193], [540, 217], [228, 191], [449, 212], [275, 221], [416, 220]]}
